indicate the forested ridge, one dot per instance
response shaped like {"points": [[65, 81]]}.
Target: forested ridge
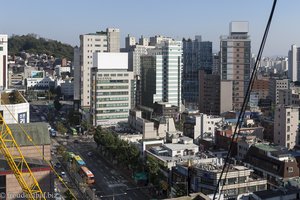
{"points": [[31, 43]]}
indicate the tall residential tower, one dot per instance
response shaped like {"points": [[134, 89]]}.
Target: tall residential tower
{"points": [[294, 63], [103, 41], [235, 55]]}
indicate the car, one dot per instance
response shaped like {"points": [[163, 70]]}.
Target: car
{"points": [[58, 165], [90, 153], [76, 141], [57, 196], [63, 174]]}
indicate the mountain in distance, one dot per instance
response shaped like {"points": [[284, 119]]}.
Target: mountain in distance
{"points": [[31, 43]]}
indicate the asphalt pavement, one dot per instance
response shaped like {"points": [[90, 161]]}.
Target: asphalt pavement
{"points": [[109, 182]]}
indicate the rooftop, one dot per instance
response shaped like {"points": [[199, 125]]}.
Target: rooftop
{"points": [[177, 147], [266, 147], [12, 97], [37, 131]]}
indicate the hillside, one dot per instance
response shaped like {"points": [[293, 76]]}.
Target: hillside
{"points": [[37, 45]]}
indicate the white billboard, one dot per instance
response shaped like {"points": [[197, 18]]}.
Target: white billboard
{"points": [[110, 60]]}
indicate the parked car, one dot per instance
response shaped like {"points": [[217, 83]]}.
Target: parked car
{"points": [[58, 165]]}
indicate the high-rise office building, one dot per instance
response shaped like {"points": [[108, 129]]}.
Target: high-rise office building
{"points": [[197, 55], [3, 62], [104, 41], [111, 88], [162, 72], [235, 60], [135, 51], [294, 63]]}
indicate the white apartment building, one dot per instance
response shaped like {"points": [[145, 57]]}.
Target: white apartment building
{"points": [[104, 41], [294, 63], [111, 88], [286, 119], [275, 85], [206, 125], [3, 62]]}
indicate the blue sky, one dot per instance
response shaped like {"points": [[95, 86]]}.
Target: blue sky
{"points": [[65, 20]]}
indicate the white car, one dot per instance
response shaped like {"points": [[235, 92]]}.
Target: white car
{"points": [[63, 174]]}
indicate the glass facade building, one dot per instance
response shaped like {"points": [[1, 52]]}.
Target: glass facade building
{"points": [[197, 55]]}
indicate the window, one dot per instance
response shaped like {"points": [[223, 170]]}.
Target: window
{"points": [[1, 48], [288, 137], [290, 169]]}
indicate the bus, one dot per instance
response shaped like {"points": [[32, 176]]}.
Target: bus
{"points": [[73, 131], [79, 161], [87, 175]]}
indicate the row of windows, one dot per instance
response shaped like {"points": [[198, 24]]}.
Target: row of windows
{"points": [[112, 105], [112, 117], [112, 87], [112, 75], [112, 81], [112, 93], [113, 99], [112, 111]]}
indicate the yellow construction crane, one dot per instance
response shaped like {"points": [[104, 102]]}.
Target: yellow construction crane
{"points": [[17, 163]]}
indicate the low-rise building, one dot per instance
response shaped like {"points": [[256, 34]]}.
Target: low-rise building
{"points": [[275, 163], [238, 180], [14, 108]]}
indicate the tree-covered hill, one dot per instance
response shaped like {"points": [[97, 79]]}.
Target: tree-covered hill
{"points": [[32, 44]]}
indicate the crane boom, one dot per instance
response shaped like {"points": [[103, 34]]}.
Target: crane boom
{"points": [[17, 163]]}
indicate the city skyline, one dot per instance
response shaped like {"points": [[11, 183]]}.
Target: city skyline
{"points": [[65, 21]]}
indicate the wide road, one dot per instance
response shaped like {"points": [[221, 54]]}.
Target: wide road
{"points": [[110, 183]]}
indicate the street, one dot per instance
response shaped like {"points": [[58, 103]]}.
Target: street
{"points": [[109, 183]]}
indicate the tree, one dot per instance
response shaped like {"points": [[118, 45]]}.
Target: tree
{"points": [[57, 105], [69, 196], [58, 91], [61, 128]]}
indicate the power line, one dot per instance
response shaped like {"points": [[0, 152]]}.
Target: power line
{"points": [[245, 102]]}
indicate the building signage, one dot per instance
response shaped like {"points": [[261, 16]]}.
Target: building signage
{"points": [[22, 118], [37, 74]]}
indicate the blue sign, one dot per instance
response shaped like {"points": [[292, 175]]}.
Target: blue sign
{"points": [[22, 118]]}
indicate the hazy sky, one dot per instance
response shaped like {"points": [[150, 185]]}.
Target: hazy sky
{"points": [[65, 20]]}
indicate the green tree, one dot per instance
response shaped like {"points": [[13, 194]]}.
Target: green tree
{"points": [[61, 150], [31, 43], [57, 105], [69, 196], [61, 128]]}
